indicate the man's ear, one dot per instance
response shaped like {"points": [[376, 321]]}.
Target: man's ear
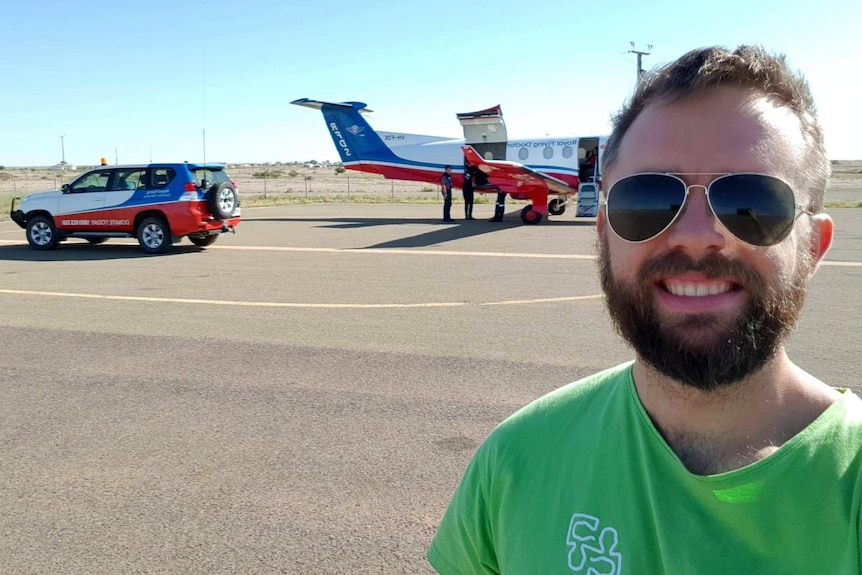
{"points": [[820, 238], [600, 221]]}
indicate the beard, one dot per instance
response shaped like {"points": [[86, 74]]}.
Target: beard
{"points": [[702, 351]]}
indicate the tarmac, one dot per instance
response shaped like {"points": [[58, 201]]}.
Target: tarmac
{"points": [[302, 396]]}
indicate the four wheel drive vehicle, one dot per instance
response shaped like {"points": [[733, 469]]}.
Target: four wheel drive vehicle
{"points": [[156, 203]]}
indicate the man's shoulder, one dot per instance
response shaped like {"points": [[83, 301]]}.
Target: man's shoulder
{"points": [[582, 402]]}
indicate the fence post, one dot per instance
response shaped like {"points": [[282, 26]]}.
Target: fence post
{"points": [[264, 185], [348, 185], [393, 188], [306, 185]]}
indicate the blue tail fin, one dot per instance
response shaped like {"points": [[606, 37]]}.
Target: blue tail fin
{"points": [[354, 138]]}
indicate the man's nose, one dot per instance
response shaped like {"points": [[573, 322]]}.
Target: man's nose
{"points": [[696, 229]]}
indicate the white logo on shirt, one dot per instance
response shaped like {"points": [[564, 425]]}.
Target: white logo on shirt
{"points": [[592, 551]]}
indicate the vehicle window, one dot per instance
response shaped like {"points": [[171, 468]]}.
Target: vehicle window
{"points": [[129, 179], [523, 154], [161, 177], [213, 176], [548, 152], [92, 182]]}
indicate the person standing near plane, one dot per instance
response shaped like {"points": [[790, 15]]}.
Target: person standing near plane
{"points": [[711, 452], [446, 182], [467, 191], [480, 178], [590, 174]]}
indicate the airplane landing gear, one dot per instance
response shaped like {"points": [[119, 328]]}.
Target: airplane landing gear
{"points": [[557, 207], [530, 216]]}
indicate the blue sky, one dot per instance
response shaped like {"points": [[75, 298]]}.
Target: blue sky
{"points": [[134, 81]]}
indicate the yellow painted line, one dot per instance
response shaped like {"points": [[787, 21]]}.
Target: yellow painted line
{"points": [[283, 304]]}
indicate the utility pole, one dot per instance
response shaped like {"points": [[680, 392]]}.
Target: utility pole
{"points": [[640, 55], [63, 151]]}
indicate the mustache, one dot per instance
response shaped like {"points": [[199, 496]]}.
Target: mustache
{"points": [[713, 266]]}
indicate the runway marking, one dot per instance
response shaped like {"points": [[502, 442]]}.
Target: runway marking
{"points": [[838, 264], [544, 300], [399, 251], [407, 252], [289, 304], [402, 251]]}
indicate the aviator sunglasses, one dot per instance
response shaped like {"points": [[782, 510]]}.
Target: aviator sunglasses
{"points": [[757, 209]]}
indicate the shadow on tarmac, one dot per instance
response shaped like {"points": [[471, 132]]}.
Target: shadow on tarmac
{"points": [[69, 252], [443, 232]]}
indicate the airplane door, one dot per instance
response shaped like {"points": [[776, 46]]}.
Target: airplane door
{"points": [[588, 159], [486, 132]]}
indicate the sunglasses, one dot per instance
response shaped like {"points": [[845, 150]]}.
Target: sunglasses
{"points": [[757, 209]]}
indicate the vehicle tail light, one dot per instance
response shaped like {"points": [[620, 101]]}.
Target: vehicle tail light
{"points": [[191, 187]]}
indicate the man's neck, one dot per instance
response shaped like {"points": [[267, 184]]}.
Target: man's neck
{"points": [[726, 429]]}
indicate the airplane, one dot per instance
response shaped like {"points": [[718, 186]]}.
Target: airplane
{"points": [[522, 169]]}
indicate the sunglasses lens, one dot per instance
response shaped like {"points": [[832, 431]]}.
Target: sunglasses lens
{"points": [[758, 209], [640, 207]]}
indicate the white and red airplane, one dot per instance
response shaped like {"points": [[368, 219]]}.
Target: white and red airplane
{"points": [[524, 169]]}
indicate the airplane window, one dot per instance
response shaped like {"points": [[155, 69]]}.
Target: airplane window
{"points": [[567, 152], [489, 155], [523, 153], [548, 152]]}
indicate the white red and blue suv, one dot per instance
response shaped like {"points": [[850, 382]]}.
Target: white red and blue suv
{"points": [[158, 204]]}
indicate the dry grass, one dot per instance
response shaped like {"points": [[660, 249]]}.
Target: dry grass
{"points": [[323, 184]]}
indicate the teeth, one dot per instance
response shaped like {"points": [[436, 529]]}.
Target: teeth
{"points": [[697, 290]]}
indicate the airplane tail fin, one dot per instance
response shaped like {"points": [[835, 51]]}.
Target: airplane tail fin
{"points": [[353, 137]]}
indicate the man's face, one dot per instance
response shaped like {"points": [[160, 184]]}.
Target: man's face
{"points": [[750, 297]]}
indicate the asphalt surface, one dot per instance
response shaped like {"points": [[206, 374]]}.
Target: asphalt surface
{"points": [[303, 396]]}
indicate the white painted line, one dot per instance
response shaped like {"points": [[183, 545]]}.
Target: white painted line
{"points": [[411, 252], [406, 252], [284, 304], [227, 302], [545, 300], [838, 264]]}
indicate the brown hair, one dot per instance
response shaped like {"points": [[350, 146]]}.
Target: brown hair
{"points": [[752, 67]]}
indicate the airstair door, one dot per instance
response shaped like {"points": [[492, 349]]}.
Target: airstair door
{"points": [[588, 200]]}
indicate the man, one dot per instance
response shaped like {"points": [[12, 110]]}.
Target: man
{"points": [[467, 191], [446, 183], [590, 163], [712, 452], [481, 180]]}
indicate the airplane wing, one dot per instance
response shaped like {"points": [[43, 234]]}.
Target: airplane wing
{"points": [[522, 176]]}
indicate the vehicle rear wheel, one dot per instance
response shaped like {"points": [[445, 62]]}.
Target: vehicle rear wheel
{"points": [[222, 200], [203, 241], [96, 241], [557, 207], [41, 233], [530, 216], [154, 235]]}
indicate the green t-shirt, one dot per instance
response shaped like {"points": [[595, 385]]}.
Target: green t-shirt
{"points": [[580, 481]]}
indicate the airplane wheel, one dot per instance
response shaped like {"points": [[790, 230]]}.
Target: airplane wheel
{"points": [[557, 207], [530, 216]]}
